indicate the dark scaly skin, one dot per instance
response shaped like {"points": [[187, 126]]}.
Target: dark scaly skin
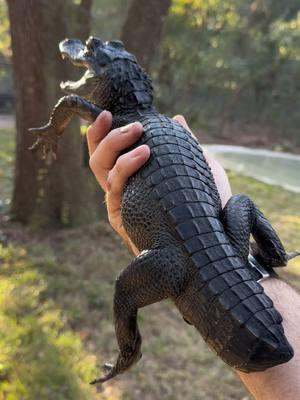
{"points": [[192, 251]]}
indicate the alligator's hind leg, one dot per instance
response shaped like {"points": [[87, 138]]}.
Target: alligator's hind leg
{"points": [[241, 218], [153, 276]]}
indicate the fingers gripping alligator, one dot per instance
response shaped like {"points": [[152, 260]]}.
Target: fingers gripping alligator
{"points": [[192, 251]]}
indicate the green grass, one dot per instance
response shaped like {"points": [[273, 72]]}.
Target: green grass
{"points": [[40, 357], [56, 322]]}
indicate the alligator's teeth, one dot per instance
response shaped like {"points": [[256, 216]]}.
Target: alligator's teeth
{"points": [[64, 85]]}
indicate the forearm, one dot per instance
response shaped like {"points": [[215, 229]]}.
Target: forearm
{"points": [[281, 382]]}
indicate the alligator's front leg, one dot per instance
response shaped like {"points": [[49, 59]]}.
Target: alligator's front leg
{"points": [[153, 276], [62, 113]]}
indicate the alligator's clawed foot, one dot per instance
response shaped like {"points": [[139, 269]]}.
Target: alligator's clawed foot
{"points": [[46, 139], [123, 363], [110, 371]]}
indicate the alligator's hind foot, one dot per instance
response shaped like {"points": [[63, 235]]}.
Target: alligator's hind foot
{"points": [[240, 218], [108, 368], [125, 361], [154, 275]]}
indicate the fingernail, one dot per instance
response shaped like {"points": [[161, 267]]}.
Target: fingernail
{"points": [[99, 117], [139, 151], [136, 152], [126, 128], [102, 113]]}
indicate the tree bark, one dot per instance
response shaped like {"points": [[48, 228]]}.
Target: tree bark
{"points": [[31, 100], [143, 27], [46, 195]]}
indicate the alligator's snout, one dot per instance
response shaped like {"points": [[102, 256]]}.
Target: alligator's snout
{"points": [[74, 50], [79, 54]]}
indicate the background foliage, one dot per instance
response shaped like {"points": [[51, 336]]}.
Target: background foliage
{"points": [[233, 61], [220, 62]]}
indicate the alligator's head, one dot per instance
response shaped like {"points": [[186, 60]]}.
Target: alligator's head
{"points": [[113, 79]]}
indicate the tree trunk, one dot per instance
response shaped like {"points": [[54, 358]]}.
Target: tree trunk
{"points": [[31, 100], [57, 194], [142, 30]]}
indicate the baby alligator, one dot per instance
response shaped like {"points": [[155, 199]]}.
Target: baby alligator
{"points": [[191, 251]]}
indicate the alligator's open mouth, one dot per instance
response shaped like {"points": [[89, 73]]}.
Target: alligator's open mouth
{"points": [[81, 56]]}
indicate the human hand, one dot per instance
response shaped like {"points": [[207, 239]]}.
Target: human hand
{"points": [[112, 170]]}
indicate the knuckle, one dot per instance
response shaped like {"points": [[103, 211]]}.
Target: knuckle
{"points": [[111, 220], [114, 132], [89, 130], [120, 164], [90, 133], [110, 141], [109, 184], [92, 162]]}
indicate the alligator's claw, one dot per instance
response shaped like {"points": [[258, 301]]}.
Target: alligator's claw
{"points": [[46, 139], [111, 372], [122, 364]]}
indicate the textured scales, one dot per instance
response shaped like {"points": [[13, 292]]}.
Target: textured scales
{"points": [[192, 251]]}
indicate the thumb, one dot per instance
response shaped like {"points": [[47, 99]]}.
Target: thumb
{"points": [[181, 120]]}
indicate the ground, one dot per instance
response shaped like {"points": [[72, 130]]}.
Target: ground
{"points": [[56, 325]]}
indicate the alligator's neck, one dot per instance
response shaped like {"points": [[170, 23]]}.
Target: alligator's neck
{"points": [[131, 91], [132, 104]]}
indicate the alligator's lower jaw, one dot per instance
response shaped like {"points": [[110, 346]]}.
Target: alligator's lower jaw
{"points": [[71, 87], [77, 87]]}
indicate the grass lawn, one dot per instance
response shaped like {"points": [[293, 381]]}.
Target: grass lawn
{"points": [[56, 311]]}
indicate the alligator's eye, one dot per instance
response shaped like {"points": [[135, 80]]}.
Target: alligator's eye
{"points": [[93, 43], [116, 44]]}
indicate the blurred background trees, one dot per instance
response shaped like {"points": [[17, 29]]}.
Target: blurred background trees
{"points": [[46, 195], [142, 30], [234, 61], [232, 67]]}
